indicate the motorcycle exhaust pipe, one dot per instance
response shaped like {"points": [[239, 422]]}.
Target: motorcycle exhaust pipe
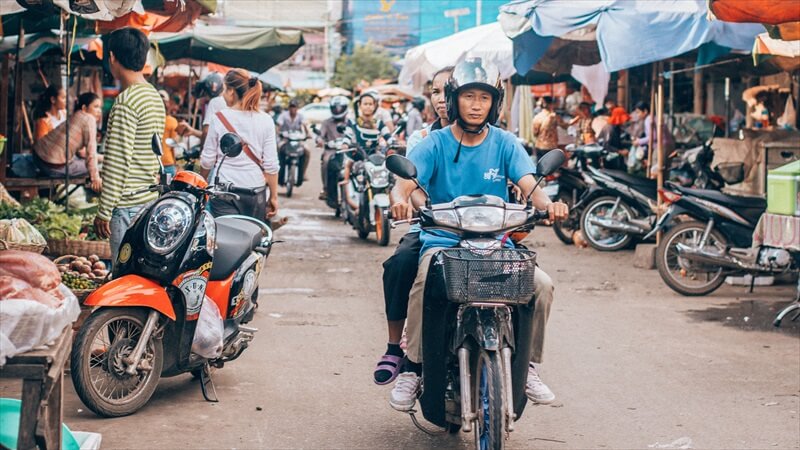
{"points": [[711, 258], [618, 225]]}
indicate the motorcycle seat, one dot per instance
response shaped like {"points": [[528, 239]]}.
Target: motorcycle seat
{"points": [[725, 199], [646, 185], [236, 239]]}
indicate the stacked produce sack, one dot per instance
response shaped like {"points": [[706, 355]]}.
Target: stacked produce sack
{"points": [[35, 306]]}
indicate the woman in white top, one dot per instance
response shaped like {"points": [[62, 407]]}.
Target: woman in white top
{"points": [[253, 171]]}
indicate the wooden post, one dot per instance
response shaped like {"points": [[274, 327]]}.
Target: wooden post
{"points": [[697, 88], [18, 92], [623, 89], [660, 137]]}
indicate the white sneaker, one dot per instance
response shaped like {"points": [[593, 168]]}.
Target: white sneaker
{"points": [[405, 391], [536, 390]]}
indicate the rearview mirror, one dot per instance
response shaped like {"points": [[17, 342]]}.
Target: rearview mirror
{"points": [[231, 145], [550, 162], [155, 144], [402, 167]]}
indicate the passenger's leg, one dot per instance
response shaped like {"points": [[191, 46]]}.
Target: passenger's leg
{"points": [[536, 390], [404, 393], [399, 272]]}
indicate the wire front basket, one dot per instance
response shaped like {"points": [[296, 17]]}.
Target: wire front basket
{"points": [[491, 276]]}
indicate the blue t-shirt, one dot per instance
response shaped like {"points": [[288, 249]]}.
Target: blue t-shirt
{"points": [[482, 169]]}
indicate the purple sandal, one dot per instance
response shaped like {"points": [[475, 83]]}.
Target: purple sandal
{"points": [[391, 364]]}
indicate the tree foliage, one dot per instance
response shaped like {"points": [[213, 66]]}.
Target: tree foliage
{"points": [[368, 62]]}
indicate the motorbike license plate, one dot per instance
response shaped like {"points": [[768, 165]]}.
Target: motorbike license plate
{"points": [[551, 189]]}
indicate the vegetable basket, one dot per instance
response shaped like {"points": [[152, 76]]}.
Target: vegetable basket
{"points": [[66, 246], [36, 248]]}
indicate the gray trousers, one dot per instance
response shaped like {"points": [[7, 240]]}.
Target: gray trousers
{"points": [[120, 222]]}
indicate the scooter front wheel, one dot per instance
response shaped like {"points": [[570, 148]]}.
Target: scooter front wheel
{"points": [[489, 399], [97, 364], [290, 180]]}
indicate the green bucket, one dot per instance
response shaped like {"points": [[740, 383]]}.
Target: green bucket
{"points": [[9, 426]]}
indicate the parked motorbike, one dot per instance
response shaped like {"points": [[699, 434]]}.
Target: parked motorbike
{"points": [[292, 159], [713, 240], [570, 182], [174, 257], [478, 309]]}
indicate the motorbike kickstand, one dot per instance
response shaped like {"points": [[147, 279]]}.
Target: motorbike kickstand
{"points": [[207, 384], [423, 428]]}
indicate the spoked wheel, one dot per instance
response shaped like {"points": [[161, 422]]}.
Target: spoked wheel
{"points": [[681, 275], [382, 228], [565, 228], [98, 370], [490, 426], [601, 238]]}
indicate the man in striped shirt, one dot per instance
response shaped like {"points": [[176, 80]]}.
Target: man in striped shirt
{"points": [[130, 164]]}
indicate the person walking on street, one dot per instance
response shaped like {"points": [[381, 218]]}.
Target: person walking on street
{"points": [[545, 127], [256, 168], [130, 164]]}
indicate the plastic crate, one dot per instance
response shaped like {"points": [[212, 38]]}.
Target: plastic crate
{"points": [[783, 187]]}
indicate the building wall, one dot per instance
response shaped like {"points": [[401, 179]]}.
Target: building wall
{"points": [[398, 25]]}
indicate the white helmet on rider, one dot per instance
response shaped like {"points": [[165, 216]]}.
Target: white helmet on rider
{"points": [[474, 73], [339, 105]]}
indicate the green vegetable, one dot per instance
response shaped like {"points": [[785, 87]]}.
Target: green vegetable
{"points": [[51, 220]]}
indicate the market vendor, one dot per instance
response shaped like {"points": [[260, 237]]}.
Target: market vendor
{"points": [[82, 160], [51, 110]]}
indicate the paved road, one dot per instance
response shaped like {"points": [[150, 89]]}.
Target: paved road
{"points": [[633, 364]]}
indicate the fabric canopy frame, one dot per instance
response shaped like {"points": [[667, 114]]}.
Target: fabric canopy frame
{"points": [[254, 49]]}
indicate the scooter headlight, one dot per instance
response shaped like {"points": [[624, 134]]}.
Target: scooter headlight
{"points": [[378, 175], [481, 218], [169, 223]]}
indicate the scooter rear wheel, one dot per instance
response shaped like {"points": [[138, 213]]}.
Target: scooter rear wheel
{"points": [[489, 398], [98, 372], [600, 238], [565, 228], [680, 275]]}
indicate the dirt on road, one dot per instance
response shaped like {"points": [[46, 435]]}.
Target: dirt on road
{"points": [[633, 365]]}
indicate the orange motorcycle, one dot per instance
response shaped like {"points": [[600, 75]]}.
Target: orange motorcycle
{"points": [[174, 257]]}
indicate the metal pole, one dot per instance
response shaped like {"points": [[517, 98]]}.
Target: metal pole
{"points": [[660, 137], [727, 107], [671, 94], [65, 73], [478, 8], [455, 20]]}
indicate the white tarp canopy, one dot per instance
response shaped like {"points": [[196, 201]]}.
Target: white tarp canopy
{"points": [[490, 43], [486, 41]]}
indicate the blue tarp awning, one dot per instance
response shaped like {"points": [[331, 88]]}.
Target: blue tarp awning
{"points": [[628, 33]]}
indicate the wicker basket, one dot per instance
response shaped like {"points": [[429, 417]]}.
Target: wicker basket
{"points": [[66, 246], [35, 248]]}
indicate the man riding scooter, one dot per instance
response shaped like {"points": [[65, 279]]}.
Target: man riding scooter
{"points": [[329, 131], [469, 157], [292, 120]]}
